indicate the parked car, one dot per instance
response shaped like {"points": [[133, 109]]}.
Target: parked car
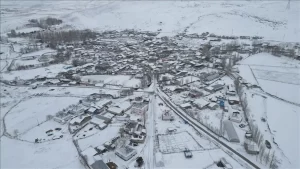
{"points": [[268, 144], [248, 134], [242, 125]]}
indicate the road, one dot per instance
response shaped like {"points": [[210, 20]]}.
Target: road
{"points": [[198, 126], [151, 130]]}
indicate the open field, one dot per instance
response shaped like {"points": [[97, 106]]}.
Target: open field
{"points": [[178, 142], [59, 154], [122, 80], [30, 113], [50, 71], [282, 122]]}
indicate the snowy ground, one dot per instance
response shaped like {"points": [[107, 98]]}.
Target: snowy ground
{"points": [[273, 73], [31, 112], [269, 19], [59, 154], [283, 120], [122, 80]]}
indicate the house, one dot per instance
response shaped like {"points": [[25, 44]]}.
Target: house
{"points": [[186, 106], [80, 120], [94, 161], [126, 152], [91, 110], [99, 163], [212, 106], [100, 123], [209, 89], [217, 87], [139, 108], [103, 103], [167, 116], [126, 92], [200, 103], [229, 132], [233, 100], [120, 109], [107, 117]]}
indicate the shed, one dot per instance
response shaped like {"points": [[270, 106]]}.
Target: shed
{"points": [[200, 103], [229, 132]]}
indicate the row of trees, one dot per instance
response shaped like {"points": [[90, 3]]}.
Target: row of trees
{"points": [[46, 23], [264, 154]]}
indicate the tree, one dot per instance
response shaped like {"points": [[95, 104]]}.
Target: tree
{"points": [[16, 132], [75, 62], [262, 152], [237, 86], [274, 164], [13, 33], [223, 62], [49, 117]]}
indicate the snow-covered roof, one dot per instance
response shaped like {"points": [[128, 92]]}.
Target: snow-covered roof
{"points": [[89, 153], [78, 119], [230, 131], [97, 121], [184, 105], [201, 102], [212, 104], [101, 103]]}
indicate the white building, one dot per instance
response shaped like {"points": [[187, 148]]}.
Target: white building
{"points": [[126, 152]]}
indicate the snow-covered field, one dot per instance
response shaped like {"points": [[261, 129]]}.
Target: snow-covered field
{"points": [[283, 120], [270, 19], [122, 80], [279, 76], [56, 154], [50, 71], [31, 112]]}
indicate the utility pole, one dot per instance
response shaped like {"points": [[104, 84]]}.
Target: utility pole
{"points": [[288, 5]]}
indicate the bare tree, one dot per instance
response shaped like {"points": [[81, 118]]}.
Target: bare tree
{"points": [[223, 63], [49, 117], [267, 157], [16, 132], [237, 86], [261, 153], [274, 164]]}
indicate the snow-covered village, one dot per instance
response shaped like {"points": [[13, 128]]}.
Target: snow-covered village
{"points": [[150, 84]]}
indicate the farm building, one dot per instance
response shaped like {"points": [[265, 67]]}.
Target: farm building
{"points": [[229, 132], [126, 152]]}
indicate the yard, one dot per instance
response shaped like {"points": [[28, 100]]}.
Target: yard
{"points": [[33, 112]]}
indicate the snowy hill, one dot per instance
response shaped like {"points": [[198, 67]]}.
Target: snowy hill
{"points": [[250, 18]]}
